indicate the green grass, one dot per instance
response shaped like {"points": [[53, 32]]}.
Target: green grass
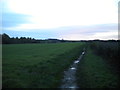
{"points": [[93, 72], [0, 66], [37, 65]]}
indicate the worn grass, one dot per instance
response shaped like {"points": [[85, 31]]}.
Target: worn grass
{"points": [[37, 65], [93, 72]]}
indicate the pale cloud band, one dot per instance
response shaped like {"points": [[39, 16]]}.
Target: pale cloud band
{"points": [[104, 31]]}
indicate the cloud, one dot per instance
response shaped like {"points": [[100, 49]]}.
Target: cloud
{"points": [[38, 35], [10, 19], [89, 29], [101, 31], [96, 35], [53, 14], [69, 19], [70, 29]]}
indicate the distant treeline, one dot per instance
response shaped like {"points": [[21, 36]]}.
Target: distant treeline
{"points": [[15, 40]]}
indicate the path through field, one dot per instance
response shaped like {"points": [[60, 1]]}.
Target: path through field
{"points": [[69, 80]]}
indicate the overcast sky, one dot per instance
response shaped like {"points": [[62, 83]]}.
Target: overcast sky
{"points": [[62, 19]]}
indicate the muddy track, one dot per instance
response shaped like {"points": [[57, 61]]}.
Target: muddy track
{"points": [[69, 80]]}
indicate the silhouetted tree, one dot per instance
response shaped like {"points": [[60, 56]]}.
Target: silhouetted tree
{"points": [[5, 39], [0, 39]]}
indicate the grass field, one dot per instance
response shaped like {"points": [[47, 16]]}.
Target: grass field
{"points": [[37, 65], [94, 72]]}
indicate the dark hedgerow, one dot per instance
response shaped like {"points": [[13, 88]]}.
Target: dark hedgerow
{"points": [[99, 68]]}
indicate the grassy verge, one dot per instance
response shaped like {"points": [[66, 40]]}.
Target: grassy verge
{"points": [[93, 72], [37, 65]]}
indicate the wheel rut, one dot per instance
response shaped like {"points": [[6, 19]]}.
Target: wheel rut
{"points": [[69, 80]]}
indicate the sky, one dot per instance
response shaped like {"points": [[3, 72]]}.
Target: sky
{"points": [[61, 19]]}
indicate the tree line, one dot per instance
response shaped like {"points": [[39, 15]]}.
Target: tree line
{"points": [[15, 40], [6, 39]]}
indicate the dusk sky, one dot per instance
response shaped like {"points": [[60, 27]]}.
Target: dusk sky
{"points": [[61, 19]]}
